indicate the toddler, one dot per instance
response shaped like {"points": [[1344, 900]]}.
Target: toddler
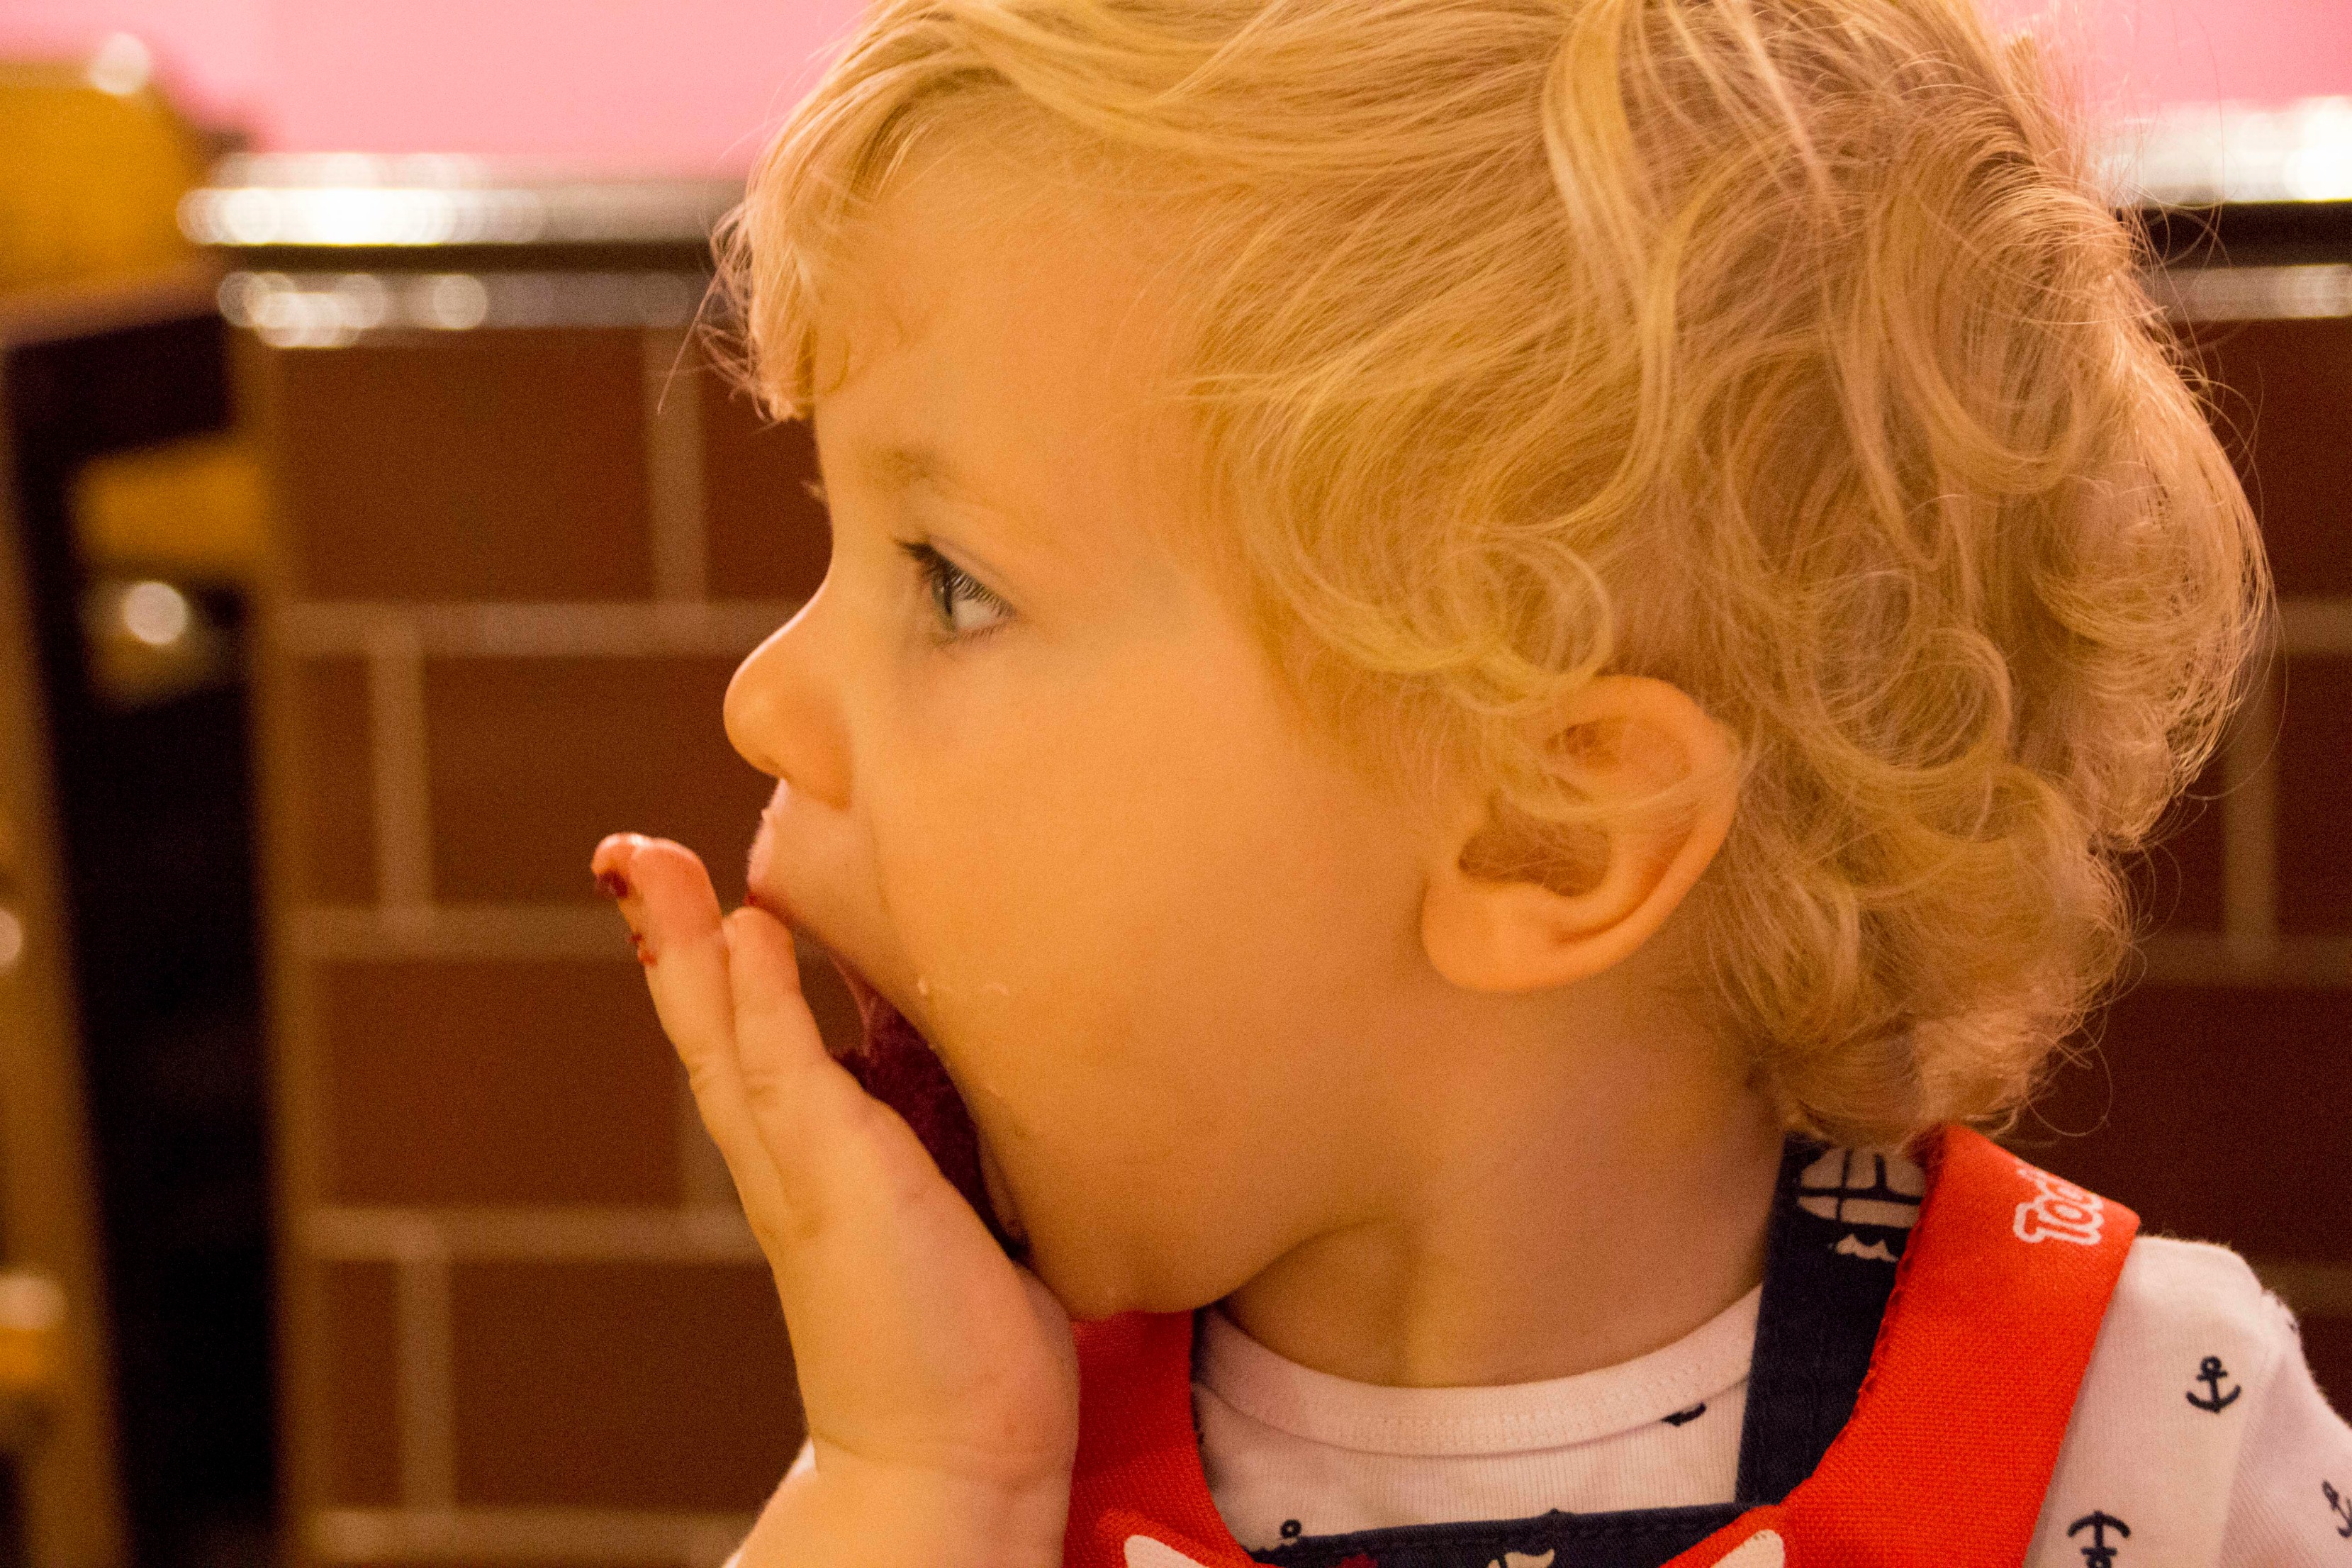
{"points": [[1484, 669]]}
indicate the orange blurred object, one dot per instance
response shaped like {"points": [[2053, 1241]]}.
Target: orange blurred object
{"points": [[97, 164]]}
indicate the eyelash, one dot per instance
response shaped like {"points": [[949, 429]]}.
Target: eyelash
{"points": [[947, 585]]}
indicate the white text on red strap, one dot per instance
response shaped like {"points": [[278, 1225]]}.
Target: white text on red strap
{"points": [[2058, 1211]]}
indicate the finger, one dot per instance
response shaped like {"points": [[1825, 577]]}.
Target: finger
{"points": [[673, 914], [666, 896], [808, 1107], [663, 889]]}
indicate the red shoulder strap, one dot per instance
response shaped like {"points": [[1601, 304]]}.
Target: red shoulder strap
{"points": [[1139, 1465], [1996, 1309]]}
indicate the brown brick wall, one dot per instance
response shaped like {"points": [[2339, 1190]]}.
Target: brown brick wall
{"points": [[334, 835], [2280, 389], [550, 1075], [527, 759], [361, 1387], [693, 1425], [514, 572], [487, 466], [767, 529]]}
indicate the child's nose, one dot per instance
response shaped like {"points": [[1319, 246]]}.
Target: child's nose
{"points": [[781, 715]]}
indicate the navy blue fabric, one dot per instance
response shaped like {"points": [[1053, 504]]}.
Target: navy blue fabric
{"points": [[1828, 1273], [1817, 1323], [1640, 1538]]}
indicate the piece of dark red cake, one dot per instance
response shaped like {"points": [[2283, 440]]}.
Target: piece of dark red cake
{"points": [[898, 1066]]}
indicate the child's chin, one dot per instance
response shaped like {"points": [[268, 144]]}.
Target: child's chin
{"points": [[898, 1066]]}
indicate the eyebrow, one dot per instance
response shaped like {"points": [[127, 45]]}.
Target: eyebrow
{"points": [[899, 467], [904, 467]]}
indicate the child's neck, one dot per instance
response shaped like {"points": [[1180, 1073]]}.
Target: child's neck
{"points": [[1570, 1208]]}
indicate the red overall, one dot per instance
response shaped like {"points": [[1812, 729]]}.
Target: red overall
{"points": [[1944, 1460]]}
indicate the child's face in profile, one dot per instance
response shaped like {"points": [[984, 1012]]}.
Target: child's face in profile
{"points": [[1041, 785]]}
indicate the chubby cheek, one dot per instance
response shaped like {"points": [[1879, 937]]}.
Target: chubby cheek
{"points": [[1146, 962]]}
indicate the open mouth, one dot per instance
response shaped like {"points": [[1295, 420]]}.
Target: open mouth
{"points": [[898, 1066]]}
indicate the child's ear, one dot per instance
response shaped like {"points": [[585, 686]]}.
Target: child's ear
{"points": [[1517, 904]]}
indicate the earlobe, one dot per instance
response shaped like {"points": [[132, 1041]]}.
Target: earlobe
{"points": [[1517, 904]]}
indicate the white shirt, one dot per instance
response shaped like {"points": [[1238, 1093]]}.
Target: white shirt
{"points": [[1289, 1451], [2265, 1479]]}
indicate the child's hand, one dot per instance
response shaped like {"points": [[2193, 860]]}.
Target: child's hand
{"points": [[938, 1377]]}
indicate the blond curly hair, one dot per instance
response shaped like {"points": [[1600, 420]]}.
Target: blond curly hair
{"points": [[1786, 350]]}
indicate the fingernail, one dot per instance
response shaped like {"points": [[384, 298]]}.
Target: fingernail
{"points": [[612, 884]]}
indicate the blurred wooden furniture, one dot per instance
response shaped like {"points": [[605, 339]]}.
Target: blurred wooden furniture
{"points": [[96, 370], [96, 168], [148, 825], [108, 341]]}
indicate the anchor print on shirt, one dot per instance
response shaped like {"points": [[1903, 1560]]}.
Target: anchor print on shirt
{"points": [[2212, 1375], [2100, 1553], [1867, 1190], [2340, 1506], [1522, 1559]]}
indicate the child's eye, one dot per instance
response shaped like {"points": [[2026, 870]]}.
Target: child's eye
{"points": [[965, 608]]}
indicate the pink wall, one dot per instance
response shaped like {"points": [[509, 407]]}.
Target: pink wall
{"points": [[2136, 55], [675, 86], [685, 86]]}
